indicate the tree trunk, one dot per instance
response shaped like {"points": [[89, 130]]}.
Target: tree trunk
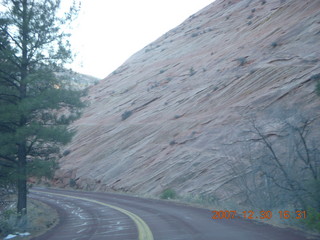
{"points": [[22, 221], [22, 155], [22, 180]]}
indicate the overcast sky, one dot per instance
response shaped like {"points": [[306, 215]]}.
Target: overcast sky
{"points": [[108, 32]]}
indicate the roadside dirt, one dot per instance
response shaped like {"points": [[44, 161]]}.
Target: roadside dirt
{"points": [[41, 218]]}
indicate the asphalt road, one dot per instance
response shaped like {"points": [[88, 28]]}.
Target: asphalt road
{"points": [[106, 216]]}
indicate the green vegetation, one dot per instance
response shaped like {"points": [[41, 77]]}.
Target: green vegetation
{"points": [[242, 61], [40, 218], [168, 194], [312, 221], [66, 152], [274, 44], [316, 77], [288, 181], [126, 115], [208, 200], [7, 222], [33, 50], [72, 183], [192, 72]]}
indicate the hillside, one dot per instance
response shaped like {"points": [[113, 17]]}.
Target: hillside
{"points": [[77, 80], [179, 113]]}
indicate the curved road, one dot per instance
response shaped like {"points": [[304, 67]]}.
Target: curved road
{"points": [[99, 216]]}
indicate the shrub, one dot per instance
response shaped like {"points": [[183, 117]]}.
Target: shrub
{"points": [[126, 114], [312, 220], [154, 85], [192, 72], [168, 194], [66, 152], [242, 61], [315, 77], [274, 44], [8, 219], [203, 199], [72, 183]]}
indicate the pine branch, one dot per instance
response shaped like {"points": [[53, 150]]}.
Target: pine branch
{"points": [[8, 100], [11, 37], [8, 80], [9, 95], [6, 165], [9, 159], [30, 148]]}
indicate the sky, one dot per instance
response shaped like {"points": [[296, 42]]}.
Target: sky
{"points": [[107, 32]]}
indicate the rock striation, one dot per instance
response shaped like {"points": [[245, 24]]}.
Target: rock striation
{"points": [[174, 114]]}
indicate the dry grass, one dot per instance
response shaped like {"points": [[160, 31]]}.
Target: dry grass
{"points": [[40, 218]]}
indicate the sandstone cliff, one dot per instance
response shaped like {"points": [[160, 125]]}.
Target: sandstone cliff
{"points": [[176, 113]]}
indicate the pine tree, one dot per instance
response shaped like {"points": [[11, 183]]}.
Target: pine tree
{"points": [[35, 105]]}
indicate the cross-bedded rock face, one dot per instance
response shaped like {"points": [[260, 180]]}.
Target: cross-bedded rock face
{"points": [[178, 113]]}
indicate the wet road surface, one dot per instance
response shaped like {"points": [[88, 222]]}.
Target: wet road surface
{"points": [[99, 216]]}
